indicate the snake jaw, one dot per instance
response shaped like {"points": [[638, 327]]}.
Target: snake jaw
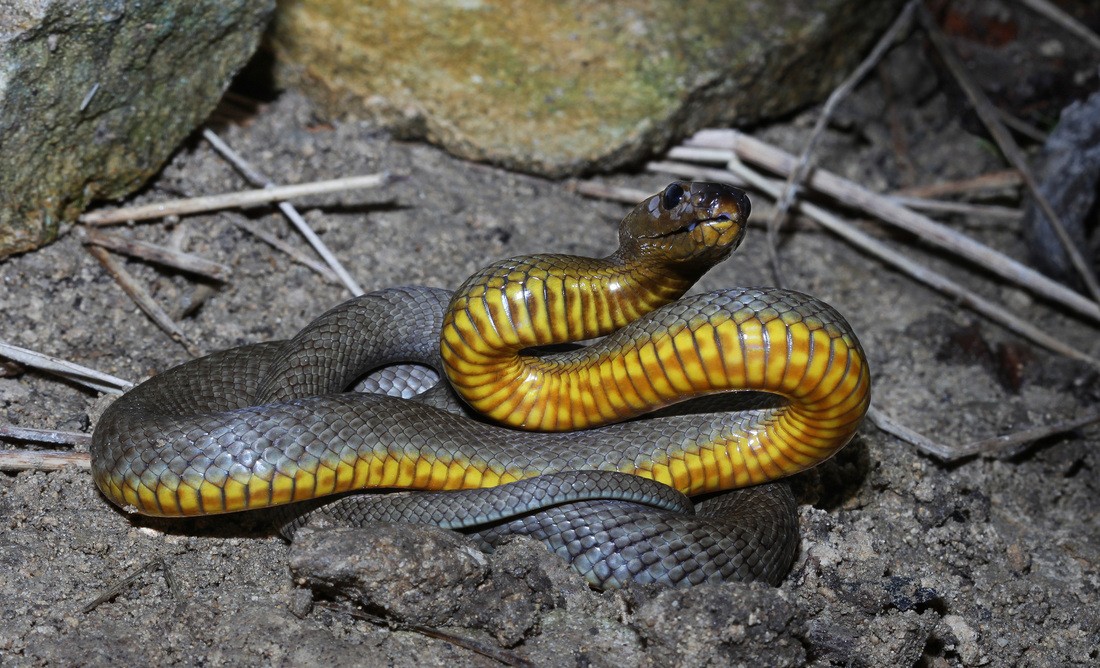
{"points": [[724, 231]]}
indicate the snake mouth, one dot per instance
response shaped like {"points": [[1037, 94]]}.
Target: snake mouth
{"points": [[721, 230], [722, 221], [719, 224]]}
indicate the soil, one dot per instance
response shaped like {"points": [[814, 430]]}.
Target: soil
{"points": [[904, 560]]}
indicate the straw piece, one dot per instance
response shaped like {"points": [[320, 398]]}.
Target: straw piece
{"points": [[707, 144], [989, 117], [164, 255], [44, 435], [143, 300], [996, 312], [245, 198], [42, 460], [258, 179], [82, 375]]}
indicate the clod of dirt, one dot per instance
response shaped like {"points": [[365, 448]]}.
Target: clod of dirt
{"points": [[427, 576], [768, 634]]}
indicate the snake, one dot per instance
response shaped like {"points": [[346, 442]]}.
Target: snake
{"points": [[594, 448]]}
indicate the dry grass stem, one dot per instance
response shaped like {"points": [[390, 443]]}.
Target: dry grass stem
{"points": [[797, 176], [143, 299], [964, 208], [125, 583], [989, 117], [1009, 445], [1006, 445], [901, 432], [237, 200], [44, 435], [162, 255], [42, 460], [280, 245], [502, 656], [258, 179], [1063, 19], [81, 375], [993, 181], [1026, 129], [996, 312], [711, 145]]}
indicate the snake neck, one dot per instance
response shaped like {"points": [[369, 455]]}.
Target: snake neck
{"points": [[521, 303], [666, 243]]}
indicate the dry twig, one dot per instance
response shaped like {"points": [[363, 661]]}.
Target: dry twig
{"points": [[1010, 445], [1006, 178], [278, 244], [42, 460], [996, 312], [721, 145], [1005, 445], [604, 191], [163, 255], [1065, 20], [143, 299], [243, 199], [44, 435], [503, 656], [256, 178], [82, 375], [1026, 129], [122, 585], [805, 161], [988, 115], [965, 208], [900, 431]]}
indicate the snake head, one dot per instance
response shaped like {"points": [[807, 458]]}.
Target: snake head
{"points": [[689, 223]]}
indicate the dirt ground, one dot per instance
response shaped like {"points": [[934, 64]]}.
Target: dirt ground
{"points": [[904, 560]]}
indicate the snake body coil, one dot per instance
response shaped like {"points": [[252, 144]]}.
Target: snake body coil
{"points": [[266, 424]]}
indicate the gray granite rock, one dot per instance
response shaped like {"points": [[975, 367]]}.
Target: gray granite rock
{"points": [[94, 97], [566, 87]]}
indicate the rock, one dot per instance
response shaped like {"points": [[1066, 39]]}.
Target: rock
{"points": [[1069, 174], [895, 639], [733, 624], [428, 576], [566, 87], [94, 96], [965, 639], [417, 575]]}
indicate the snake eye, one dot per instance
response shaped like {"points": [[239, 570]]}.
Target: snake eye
{"points": [[673, 195]]}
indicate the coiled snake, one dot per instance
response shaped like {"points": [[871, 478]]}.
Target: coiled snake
{"points": [[270, 424]]}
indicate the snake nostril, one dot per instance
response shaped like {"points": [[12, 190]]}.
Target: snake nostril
{"points": [[743, 204]]}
